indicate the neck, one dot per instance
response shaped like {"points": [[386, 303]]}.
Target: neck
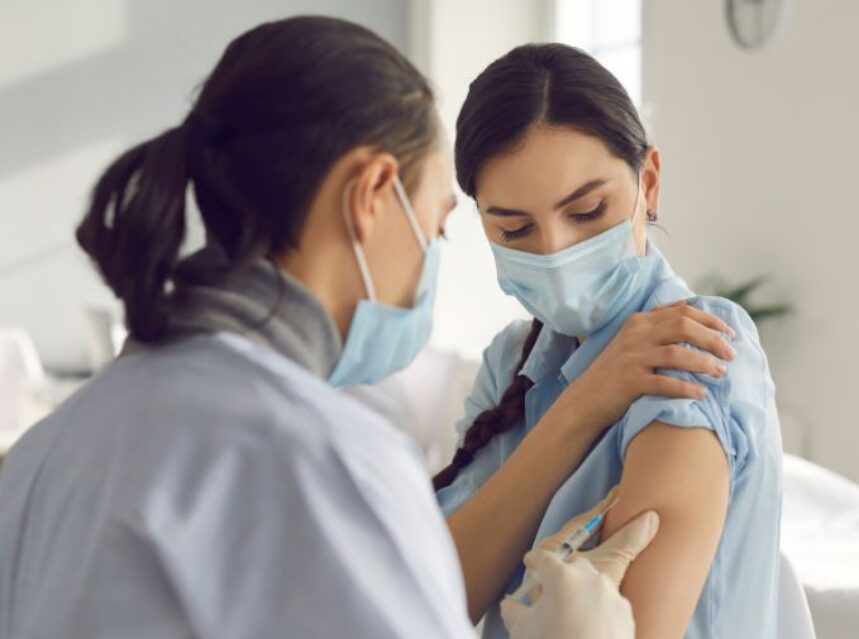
{"points": [[324, 262], [325, 283]]}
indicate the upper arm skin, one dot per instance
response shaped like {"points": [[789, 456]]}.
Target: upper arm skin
{"points": [[681, 473]]}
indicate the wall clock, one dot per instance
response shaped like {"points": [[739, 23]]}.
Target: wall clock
{"points": [[755, 23]]}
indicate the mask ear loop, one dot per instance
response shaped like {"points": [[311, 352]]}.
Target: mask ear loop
{"points": [[356, 246], [410, 212], [635, 212], [652, 217], [637, 199]]}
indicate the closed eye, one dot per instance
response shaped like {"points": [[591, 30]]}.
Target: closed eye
{"points": [[516, 233], [590, 215]]}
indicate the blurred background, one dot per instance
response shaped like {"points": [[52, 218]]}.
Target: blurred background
{"points": [[753, 103]]}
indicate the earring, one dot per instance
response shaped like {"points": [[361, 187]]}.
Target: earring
{"points": [[651, 215]]}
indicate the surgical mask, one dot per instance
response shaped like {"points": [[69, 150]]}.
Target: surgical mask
{"points": [[577, 290], [384, 339]]}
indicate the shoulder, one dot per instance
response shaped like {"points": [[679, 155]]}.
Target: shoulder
{"points": [[230, 390], [301, 468], [750, 367], [673, 289], [252, 426], [735, 315], [750, 364], [737, 406]]}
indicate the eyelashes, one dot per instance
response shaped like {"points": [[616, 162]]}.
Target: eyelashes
{"points": [[516, 233], [589, 216]]}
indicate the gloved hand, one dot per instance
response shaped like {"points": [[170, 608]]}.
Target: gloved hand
{"points": [[580, 597], [576, 602], [612, 557]]}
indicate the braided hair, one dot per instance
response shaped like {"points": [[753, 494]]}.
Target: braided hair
{"points": [[495, 420]]}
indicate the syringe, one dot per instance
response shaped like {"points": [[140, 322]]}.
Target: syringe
{"points": [[528, 591]]}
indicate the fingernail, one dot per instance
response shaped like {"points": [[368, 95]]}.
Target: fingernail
{"points": [[731, 351], [723, 370], [702, 393]]}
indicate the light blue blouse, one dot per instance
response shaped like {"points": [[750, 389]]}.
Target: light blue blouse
{"points": [[740, 594]]}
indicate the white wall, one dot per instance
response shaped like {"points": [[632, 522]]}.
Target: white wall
{"points": [[81, 80], [758, 149], [453, 42], [760, 174]]}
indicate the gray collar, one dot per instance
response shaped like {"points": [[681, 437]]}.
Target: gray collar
{"points": [[260, 302]]}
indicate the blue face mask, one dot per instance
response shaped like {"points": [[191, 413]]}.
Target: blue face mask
{"points": [[384, 339], [577, 290]]}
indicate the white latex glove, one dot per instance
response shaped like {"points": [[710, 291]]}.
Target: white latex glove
{"points": [[576, 602], [580, 598]]}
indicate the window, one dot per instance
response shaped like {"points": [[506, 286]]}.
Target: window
{"points": [[610, 30]]}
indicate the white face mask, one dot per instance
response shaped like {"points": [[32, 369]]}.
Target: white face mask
{"points": [[577, 290], [384, 339]]}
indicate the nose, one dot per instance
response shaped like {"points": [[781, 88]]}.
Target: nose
{"points": [[554, 238]]}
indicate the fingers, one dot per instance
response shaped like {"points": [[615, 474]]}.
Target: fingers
{"points": [[682, 358], [613, 557], [687, 329], [552, 542], [682, 309], [534, 559], [577, 599], [673, 387], [550, 570], [634, 537]]}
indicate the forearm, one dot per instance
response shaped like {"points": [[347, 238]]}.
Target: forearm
{"points": [[496, 526]]}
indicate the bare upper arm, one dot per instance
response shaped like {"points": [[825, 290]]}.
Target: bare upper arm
{"points": [[682, 473]]}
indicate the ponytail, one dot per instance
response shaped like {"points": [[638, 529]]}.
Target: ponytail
{"points": [[135, 226], [495, 420], [284, 103]]}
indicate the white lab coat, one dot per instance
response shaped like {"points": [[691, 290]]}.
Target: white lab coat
{"points": [[214, 488]]}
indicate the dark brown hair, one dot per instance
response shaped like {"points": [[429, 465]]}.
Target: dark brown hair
{"points": [[535, 84], [495, 420], [285, 101]]}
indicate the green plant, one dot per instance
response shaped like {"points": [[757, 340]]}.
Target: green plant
{"points": [[740, 294]]}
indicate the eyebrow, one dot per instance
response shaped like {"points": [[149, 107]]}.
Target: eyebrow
{"points": [[572, 197]]}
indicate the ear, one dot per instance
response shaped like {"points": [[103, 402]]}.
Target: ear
{"points": [[650, 177], [369, 189]]}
